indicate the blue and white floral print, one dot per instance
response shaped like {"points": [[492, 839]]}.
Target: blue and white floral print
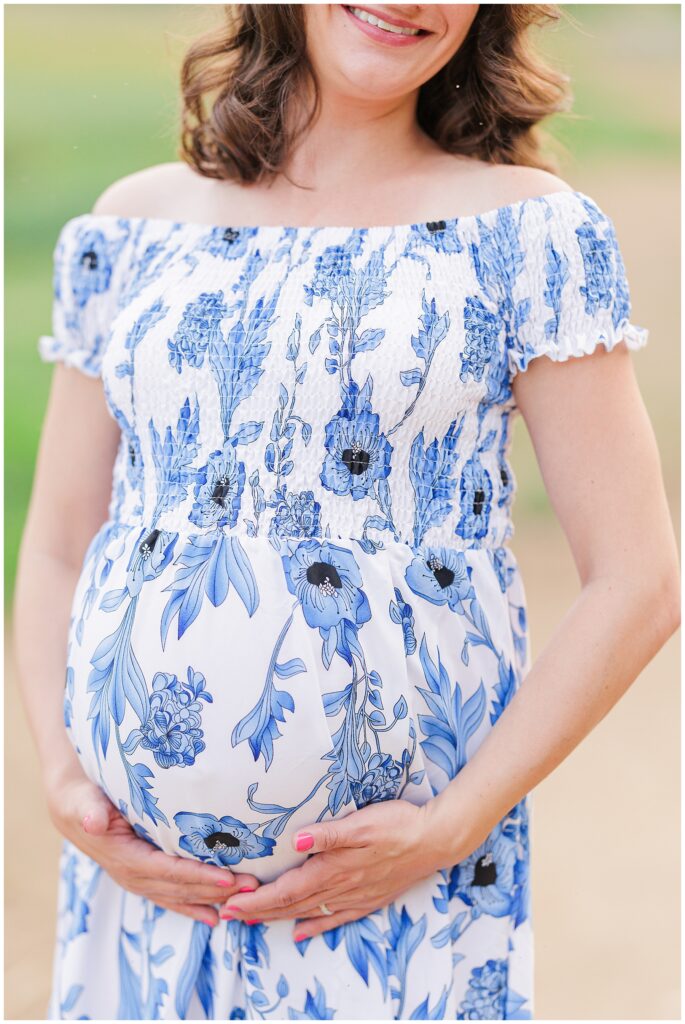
{"points": [[303, 601]]}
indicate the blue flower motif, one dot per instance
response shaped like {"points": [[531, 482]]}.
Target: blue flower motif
{"points": [[91, 266], [326, 581], [222, 841], [401, 612], [598, 264], [521, 903], [381, 780], [296, 515], [505, 573], [218, 489], [443, 237], [489, 997], [331, 268], [506, 480], [201, 320], [486, 879], [485, 998], [483, 329], [173, 729], [441, 575], [67, 708], [314, 1006], [475, 498], [228, 242], [74, 913], [358, 453], [134, 461], [150, 555]]}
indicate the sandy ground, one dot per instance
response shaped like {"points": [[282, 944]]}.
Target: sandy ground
{"points": [[605, 826]]}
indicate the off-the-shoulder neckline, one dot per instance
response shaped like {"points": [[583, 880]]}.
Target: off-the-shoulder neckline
{"points": [[449, 222]]}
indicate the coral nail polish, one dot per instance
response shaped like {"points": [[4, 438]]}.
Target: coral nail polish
{"points": [[300, 936], [304, 841], [224, 883], [205, 920], [247, 888], [225, 915], [255, 921]]}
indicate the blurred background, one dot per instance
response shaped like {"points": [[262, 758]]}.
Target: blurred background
{"points": [[91, 95]]}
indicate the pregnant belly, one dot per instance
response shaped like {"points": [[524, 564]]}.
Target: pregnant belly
{"points": [[222, 711]]}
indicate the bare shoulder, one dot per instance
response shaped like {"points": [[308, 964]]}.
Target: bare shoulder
{"points": [[163, 190], [512, 183], [489, 186]]}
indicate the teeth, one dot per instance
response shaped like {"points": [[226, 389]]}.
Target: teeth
{"points": [[373, 20]]}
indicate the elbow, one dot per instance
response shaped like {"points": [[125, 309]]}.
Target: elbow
{"points": [[667, 603]]}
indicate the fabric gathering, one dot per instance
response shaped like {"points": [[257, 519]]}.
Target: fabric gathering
{"points": [[303, 599]]}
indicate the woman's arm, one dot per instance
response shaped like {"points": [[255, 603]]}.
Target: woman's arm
{"points": [[600, 464], [601, 467], [69, 502]]}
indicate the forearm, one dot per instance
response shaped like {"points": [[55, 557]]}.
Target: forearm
{"points": [[41, 609], [608, 635]]}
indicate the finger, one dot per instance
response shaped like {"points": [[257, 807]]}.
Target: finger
{"points": [[203, 893], [327, 835], [290, 888], [315, 925], [183, 871], [207, 915], [341, 898], [214, 893], [215, 890], [245, 883], [159, 891], [94, 810]]}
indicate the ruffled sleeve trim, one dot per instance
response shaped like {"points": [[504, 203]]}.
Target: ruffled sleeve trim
{"points": [[88, 360], [89, 265], [567, 289], [634, 336]]}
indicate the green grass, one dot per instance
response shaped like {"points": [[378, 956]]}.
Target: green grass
{"points": [[91, 94]]}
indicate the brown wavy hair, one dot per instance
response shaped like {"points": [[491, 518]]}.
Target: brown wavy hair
{"points": [[237, 82]]}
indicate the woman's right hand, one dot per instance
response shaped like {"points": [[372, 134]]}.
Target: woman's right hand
{"points": [[83, 814]]}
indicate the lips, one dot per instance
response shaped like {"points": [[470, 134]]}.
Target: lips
{"points": [[382, 28], [386, 18]]}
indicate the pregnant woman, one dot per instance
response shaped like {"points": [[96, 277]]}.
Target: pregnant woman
{"points": [[269, 523]]}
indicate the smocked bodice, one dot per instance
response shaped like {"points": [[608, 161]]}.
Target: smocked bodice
{"points": [[341, 382]]}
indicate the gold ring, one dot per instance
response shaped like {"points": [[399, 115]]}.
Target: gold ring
{"points": [[325, 910]]}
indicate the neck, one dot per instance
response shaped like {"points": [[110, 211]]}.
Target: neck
{"points": [[353, 138]]}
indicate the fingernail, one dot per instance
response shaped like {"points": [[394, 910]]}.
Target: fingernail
{"points": [[225, 915], [256, 921], [300, 936], [224, 883], [237, 910], [247, 888], [205, 920], [304, 841]]}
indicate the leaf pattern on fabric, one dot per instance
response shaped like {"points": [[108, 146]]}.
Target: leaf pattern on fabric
{"points": [[302, 601]]}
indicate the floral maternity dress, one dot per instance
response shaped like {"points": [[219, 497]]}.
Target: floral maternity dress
{"points": [[302, 600]]}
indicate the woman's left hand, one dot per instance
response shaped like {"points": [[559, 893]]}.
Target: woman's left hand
{"points": [[363, 862]]}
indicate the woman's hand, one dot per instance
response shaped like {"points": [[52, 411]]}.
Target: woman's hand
{"points": [[84, 815], [363, 862]]}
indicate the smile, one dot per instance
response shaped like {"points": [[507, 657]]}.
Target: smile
{"points": [[377, 26]]}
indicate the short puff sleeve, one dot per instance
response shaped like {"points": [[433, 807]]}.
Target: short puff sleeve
{"points": [[89, 267], [569, 291]]}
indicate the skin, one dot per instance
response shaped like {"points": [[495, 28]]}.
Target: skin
{"points": [[593, 441]]}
